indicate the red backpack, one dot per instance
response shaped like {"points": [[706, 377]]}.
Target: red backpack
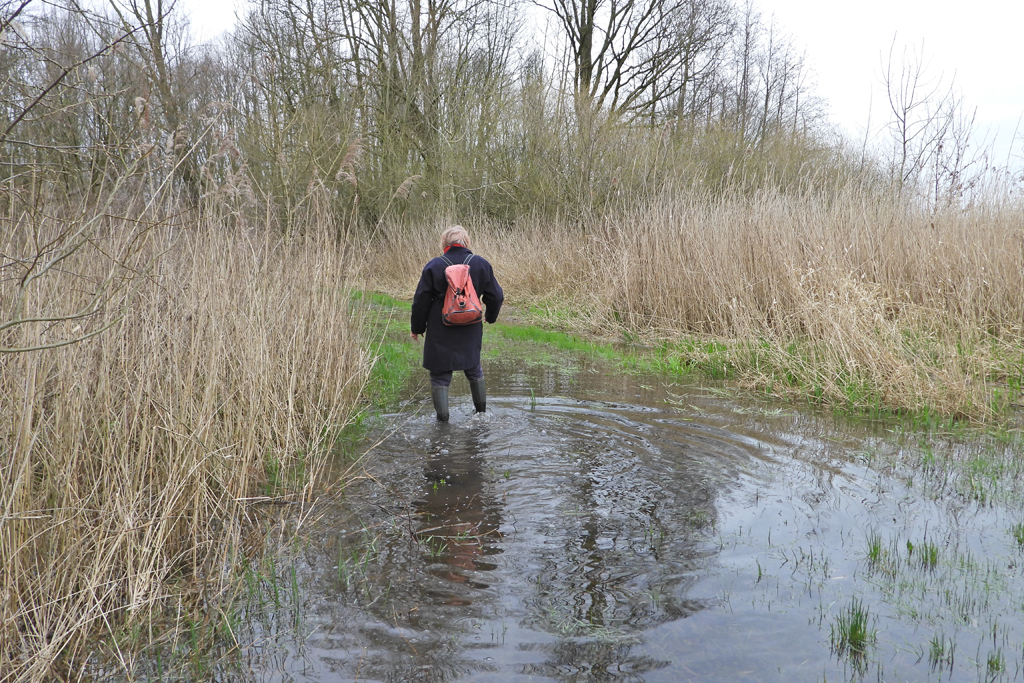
{"points": [[461, 304]]}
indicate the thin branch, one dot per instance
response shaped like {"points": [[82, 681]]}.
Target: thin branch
{"points": [[65, 342], [57, 81]]}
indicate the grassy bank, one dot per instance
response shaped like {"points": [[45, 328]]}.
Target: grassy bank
{"points": [[855, 299], [395, 357], [134, 462]]}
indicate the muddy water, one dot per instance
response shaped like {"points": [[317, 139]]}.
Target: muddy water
{"points": [[609, 527]]}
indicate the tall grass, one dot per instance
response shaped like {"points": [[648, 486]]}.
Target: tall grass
{"points": [[129, 461], [852, 297]]}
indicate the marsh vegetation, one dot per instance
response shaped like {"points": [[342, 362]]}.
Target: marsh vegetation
{"points": [[815, 296], [184, 227], [135, 460]]}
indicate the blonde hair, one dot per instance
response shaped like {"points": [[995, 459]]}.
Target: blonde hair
{"points": [[454, 235]]}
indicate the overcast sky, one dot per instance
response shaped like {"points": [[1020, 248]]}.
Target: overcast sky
{"points": [[977, 44]]}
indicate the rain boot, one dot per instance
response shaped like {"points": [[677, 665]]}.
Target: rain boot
{"points": [[479, 394], [440, 396]]}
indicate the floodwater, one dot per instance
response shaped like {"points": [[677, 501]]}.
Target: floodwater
{"points": [[595, 525]]}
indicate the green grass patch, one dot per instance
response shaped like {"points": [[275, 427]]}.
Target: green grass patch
{"points": [[382, 300], [712, 359], [1017, 532], [395, 356], [851, 633], [559, 340], [394, 362]]}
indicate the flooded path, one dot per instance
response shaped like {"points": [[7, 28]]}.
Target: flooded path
{"points": [[597, 526]]}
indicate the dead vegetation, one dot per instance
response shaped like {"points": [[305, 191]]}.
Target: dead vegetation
{"points": [[854, 298], [229, 362], [176, 255]]}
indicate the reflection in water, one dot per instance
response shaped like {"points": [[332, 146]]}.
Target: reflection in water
{"points": [[594, 660], [459, 515], [540, 543], [612, 537]]}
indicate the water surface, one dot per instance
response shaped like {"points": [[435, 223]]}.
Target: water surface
{"points": [[612, 527]]}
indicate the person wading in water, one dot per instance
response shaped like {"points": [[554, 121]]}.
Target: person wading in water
{"points": [[447, 348]]}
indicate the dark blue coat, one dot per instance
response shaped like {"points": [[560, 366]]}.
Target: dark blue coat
{"points": [[447, 348]]}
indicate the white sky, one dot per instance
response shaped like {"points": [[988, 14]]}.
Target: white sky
{"points": [[976, 43], [210, 18]]}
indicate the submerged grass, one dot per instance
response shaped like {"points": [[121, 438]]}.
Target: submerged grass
{"points": [[1017, 531], [852, 635], [948, 585], [941, 652], [886, 559]]}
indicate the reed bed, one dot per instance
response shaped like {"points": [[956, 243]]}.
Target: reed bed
{"points": [[130, 461], [852, 298]]}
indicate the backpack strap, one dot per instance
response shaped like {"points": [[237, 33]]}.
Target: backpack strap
{"points": [[466, 262]]}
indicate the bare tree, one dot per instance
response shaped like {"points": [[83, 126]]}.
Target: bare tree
{"points": [[914, 102], [703, 34], [418, 81], [158, 38], [624, 52], [931, 133]]}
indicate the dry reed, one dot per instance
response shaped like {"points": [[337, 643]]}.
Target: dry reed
{"points": [[127, 459], [855, 297]]}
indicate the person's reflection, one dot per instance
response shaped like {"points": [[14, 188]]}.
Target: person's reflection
{"points": [[459, 515]]}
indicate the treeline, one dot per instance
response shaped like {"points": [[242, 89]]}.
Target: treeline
{"points": [[391, 108], [379, 109]]}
